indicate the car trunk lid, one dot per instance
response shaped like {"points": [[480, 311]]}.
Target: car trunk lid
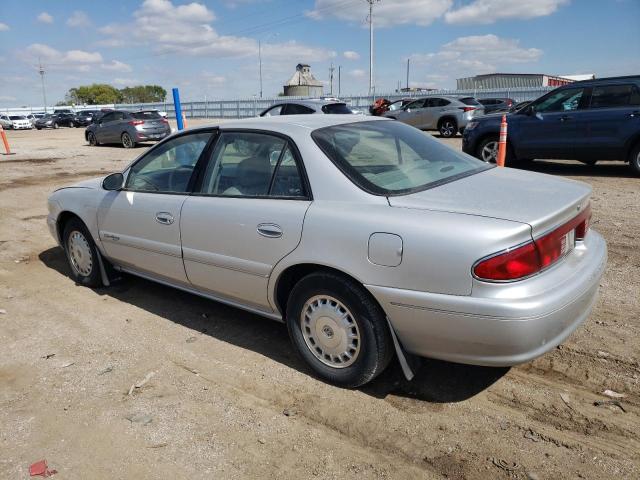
{"points": [[541, 201]]}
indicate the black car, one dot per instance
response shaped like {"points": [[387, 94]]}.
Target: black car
{"points": [[588, 121], [56, 120], [84, 118], [496, 104]]}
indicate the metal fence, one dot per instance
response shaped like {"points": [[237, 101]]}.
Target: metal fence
{"points": [[250, 107]]}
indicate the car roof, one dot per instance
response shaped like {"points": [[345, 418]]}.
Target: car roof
{"points": [[599, 81], [287, 123]]}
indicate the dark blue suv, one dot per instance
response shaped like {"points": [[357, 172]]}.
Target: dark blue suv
{"points": [[587, 121]]}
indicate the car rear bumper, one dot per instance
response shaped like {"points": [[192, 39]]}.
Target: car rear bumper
{"points": [[510, 323], [152, 135]]}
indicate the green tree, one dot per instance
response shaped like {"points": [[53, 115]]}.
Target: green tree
{"points": [[143, 94], [95, 94]]}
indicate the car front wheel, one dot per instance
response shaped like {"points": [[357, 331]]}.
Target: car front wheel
{"points": [[82, 255], [91, 138], [55, 125], [338, 329], [127, 141], [634, 159]]}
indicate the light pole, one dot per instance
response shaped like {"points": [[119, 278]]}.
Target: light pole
{"points": [[371, 2], [44, 93], [260, 57]]}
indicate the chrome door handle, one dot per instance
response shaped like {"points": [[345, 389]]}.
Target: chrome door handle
{"points": [[270, 230], [635, 114], [164, 218]]}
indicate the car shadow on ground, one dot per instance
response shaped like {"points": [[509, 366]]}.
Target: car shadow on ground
{"points": [[578, 169], [435, 381]]}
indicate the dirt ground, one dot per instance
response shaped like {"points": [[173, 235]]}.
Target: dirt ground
{"points": [[226, 397]]}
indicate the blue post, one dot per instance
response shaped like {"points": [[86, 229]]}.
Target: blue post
{"points": [[178, 108]]}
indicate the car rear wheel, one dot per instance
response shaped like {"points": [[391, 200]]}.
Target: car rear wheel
{"points": [[488, 150], [82, 255], [634, 159], [448, 128], [127, 141], [338, 329], [55, 125], [91, 138]]}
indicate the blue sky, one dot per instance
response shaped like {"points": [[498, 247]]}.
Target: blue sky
{"points": [[210, 47]]}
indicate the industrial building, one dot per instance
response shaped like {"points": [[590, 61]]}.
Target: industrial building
{"points": [[515, 80], [303, 83]]}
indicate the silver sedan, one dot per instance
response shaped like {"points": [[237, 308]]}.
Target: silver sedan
{"points": [[367, 237]]}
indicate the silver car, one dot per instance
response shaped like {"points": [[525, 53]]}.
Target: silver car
{"points": [[446, 114], [366, 236], [311, 106], [127, 128]]}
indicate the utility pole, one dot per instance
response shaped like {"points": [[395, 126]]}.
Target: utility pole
{"points": [[371, 86], [260, 62], [408, 74], [339, 80], [331, 69], [44, 93]]}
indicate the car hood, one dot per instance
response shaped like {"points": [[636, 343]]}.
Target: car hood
{"points": [[542, 201], [93, 183]]}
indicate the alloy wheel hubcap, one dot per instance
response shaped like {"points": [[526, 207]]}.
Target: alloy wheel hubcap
{"points": [[80, 254], [330, 331], [126, 140], [490, 152], [447, 129]]}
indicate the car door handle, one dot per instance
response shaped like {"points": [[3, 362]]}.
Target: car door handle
{"points": [[270, 230], [564, 118], [164, 218], [635, 114]]}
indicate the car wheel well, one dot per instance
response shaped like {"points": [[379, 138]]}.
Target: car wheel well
{"points": [[632, 145], [293, 274], [447, 117], [63, 219]]}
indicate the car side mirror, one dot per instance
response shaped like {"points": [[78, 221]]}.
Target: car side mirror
{"points": [[530, 110], [113, 182]]}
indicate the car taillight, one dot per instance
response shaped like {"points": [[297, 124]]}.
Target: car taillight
{"points": [[136, 122], [164, 120], [528, 259], [467, 109]]}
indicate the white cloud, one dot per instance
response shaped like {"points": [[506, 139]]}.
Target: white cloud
{"points": [[185, 30], [116, 66], [211, 80], [490, 11], [476, 54], [3, 27], [357, 73], [385, 14], [44, 17], [125, 82], [79, 19], [351, 55], [7, 98]]}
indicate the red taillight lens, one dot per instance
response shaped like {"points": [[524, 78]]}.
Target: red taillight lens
{"points": [[467, 109], [136, 122], [537, 255]]}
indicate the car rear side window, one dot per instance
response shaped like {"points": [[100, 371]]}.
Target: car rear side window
{"points": [[391, 158], [469, 101], [337, 108], [146, 115], [248, 164], [612, 96]]}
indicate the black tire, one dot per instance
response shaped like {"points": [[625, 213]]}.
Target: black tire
{"points": [[72, 125], [448, 127], [367, 320], [87, 271], [634, 159], [38, 128], [127, 141], [55, 125], [91, 138], [589, 163]]}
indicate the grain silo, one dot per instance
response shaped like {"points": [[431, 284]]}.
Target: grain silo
{"points": [[303, 83]]}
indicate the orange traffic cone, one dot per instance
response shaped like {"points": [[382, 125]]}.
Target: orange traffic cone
{"points": [[502, 143], [5, 141], [184, 120]]}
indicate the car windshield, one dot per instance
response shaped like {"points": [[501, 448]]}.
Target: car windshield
{"points": [[469, 101], [17, 117], [340, 108], [146, 115], [391, 158]]}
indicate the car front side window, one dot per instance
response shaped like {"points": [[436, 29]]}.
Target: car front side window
{"points": [[564, 100], [168, 167]]}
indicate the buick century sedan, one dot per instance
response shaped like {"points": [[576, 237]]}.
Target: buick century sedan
{"points": [[366, 236]]}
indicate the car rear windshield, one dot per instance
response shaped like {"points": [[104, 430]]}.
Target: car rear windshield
{"points": [[469, 101], [392, 158], [146, 115], [17, 117], [339, 108]]}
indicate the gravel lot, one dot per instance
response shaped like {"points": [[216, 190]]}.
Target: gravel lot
{"points": [[225, 396]]}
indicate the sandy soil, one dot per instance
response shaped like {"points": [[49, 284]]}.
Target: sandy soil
{"points": [[226, 397]]}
